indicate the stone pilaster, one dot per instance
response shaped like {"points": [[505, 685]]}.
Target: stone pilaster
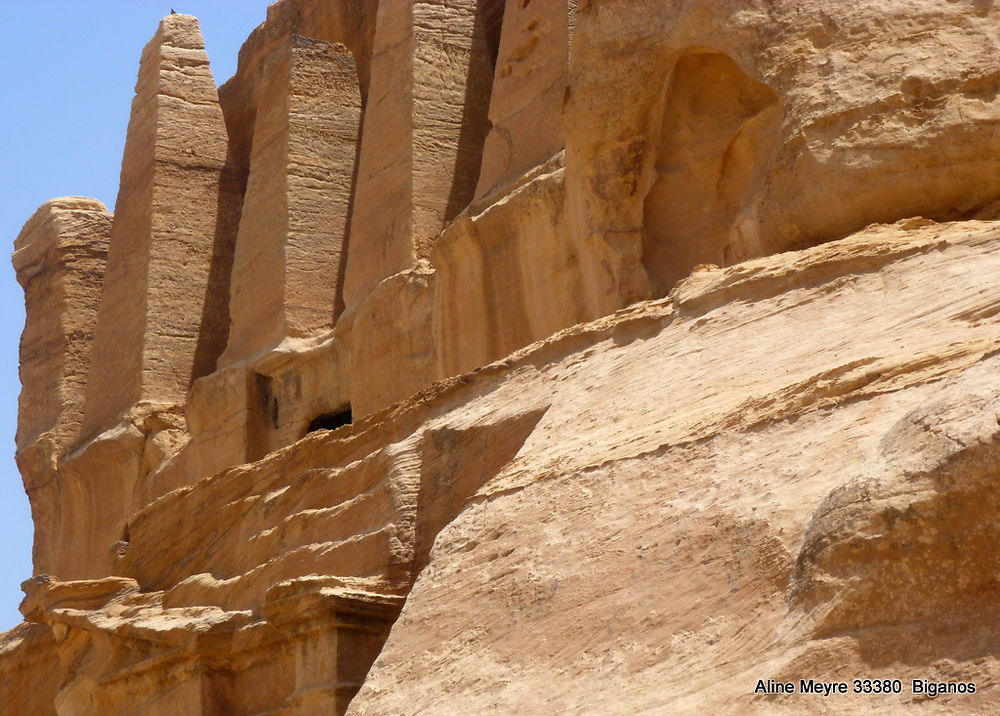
{"points": [[424, 127], [529, 87], [293, 231]]}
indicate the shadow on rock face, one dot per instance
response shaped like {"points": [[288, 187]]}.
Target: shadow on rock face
{"points": [[719, 128], [903, 555]]}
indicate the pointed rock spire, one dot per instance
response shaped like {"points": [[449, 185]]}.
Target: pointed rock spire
{"points": [[163, 317]]}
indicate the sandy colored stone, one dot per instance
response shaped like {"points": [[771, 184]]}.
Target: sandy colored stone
{"points": [[242, 413], [308, 642], [164, 317], [392, 344], [529, 88], [424, 128], [797, 124], [29, 668], [59, 258], [672, 530], [290, 251], [506, 277], [714, 477], [710, 397]]}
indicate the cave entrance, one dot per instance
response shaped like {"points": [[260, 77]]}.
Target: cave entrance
{"points": [[331, 421], [718, 129]]}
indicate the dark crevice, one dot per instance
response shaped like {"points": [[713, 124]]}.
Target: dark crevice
{"points": [[331, 421], [262, 416], [339, 304], [476, 105], [213, 334]]}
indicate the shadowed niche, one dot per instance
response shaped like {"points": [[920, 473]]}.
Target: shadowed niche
{"points": [[331, 421], [718, 129]]}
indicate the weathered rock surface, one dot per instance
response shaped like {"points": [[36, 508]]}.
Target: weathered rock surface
{"points": [[598, 357], [797, 122], [529, 87], [293, 230], [59, 257], [425, 124], [164, 311], [675, 528], [163, 316]]}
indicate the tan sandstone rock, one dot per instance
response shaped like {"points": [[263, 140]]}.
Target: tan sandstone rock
{"points": [[640, 551], [424, 128], [59, 258], [529, 88], [798, 122], [616, 356], [293, 230], [164, 315]]}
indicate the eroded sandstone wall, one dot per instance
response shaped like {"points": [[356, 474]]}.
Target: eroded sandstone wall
{"points": [[521, 311], [60, 259], [793, 122]]}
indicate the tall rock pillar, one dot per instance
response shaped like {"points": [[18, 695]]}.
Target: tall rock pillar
{"points": [[163, 318], [529, 87], [424, 128], [293, 231], [59, 257]]}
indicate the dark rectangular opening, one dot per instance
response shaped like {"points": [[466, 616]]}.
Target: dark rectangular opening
{"points": [[331, 421]]}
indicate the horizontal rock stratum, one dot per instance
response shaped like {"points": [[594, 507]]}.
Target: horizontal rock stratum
{"points": [[542, 357]]}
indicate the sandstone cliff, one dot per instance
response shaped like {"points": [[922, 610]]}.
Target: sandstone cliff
{"points": [[609, 356]]}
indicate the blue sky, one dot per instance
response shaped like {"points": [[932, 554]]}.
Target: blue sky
{"points": [[69, 70]]}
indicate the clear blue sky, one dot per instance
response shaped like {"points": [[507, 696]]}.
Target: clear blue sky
{"points": [[69, 74]]}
